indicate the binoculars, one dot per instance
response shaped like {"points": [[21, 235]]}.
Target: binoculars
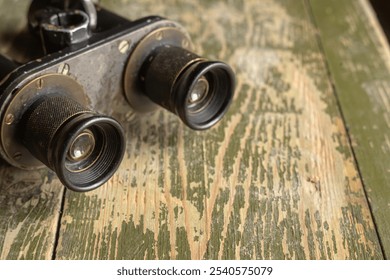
{"points": [[49, 106]]}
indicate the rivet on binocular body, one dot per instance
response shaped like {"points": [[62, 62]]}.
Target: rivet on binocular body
{"points": [[9, 119], [64, 69], [123, 46], [17, 156], [39, 84]]}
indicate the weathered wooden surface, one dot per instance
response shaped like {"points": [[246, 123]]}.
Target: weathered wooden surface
{"points": [[29, 201], [276, 179], [359, 60]]}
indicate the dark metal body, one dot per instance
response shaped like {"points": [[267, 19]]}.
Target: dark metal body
{"points": [[102, 61], [98, 67]]}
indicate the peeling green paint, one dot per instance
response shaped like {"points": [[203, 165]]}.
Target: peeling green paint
{"points": [[244, 189], [215, 240], [357, 59]]}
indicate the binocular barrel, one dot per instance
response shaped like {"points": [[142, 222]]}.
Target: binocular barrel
{"points": [[92, 56], [197, 90], [81, 146]]}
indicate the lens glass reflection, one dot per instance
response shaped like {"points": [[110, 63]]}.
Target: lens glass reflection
{"points": [[83, 152], [200, 96], [199, 92], [82, 146]]}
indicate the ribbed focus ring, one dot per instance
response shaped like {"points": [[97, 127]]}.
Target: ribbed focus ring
{"points": [[162, 69], [44, 118], [83, 147]]}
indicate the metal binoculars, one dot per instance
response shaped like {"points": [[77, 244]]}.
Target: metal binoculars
{"points": [[49, 105]]}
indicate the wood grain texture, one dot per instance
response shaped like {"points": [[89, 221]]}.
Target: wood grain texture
{"points": [[29, 200], [275, 179], [30, 203], [359, 60]]}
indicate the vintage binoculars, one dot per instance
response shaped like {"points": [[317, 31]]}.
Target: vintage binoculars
{"points": [[49, 106]]}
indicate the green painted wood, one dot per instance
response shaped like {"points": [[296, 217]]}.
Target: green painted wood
{"points": [[29, 213], [30, 201], [274, 180], [358, 57]]}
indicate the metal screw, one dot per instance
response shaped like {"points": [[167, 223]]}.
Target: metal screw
{"points": [[64, 69], [123, 46], [17, 156], [159, 35], [40, 84], [9, 119], [185, 44]]}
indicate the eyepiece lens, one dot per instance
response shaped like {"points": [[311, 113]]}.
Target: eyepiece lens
{"points": [[203, 93], [199, 92], [83, 152], [82, 146], [99, 144]]}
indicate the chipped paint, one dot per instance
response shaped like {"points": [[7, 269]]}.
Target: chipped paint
{"points": [[273, 180]]}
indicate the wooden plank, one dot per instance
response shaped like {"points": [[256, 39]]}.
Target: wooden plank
{"points": [[274, 180], [359, 61], [30, 205], [30, 201]]}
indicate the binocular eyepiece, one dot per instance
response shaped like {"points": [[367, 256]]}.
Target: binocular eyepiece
{"points": [[81, 146], [197, 90], [161, 71], [45, 104], [47, 122]]}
